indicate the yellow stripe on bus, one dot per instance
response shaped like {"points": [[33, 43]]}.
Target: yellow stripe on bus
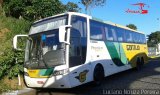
{"points": [[133, 51]]}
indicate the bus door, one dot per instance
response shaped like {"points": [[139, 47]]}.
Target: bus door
{"points": [[79, 72]]}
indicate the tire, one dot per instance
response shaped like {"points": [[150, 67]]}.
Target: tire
{"points": [[140, 64], [142, 61], [98, 75]]}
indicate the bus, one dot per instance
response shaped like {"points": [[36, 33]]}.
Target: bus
{"points": [[71, 49]]}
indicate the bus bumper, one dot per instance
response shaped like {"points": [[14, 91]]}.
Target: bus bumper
{"points": [[60, 81]]}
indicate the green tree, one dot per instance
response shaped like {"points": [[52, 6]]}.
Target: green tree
{"points": [[72, 7], [13, 7], [132, 26], [36, 9], [153, 39], [90, 3]]}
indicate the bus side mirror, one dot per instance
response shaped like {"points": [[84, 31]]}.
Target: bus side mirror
{"points": [[62, 32], [15, 42]]}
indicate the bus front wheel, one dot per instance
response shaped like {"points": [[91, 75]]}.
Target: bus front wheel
{"points": [[98, 74]]}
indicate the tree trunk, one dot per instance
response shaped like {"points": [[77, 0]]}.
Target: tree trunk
{"points": [[1, 9], [1, 1]]}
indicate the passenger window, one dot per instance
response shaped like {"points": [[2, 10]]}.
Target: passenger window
{"points": [[120, 34], [143, 39], [110, 33], [138, 37], [114, 34], [96, 30], [135, 37], [129, 36]]}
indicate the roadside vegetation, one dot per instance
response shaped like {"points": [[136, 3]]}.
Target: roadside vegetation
{"points": [[8, 67]]}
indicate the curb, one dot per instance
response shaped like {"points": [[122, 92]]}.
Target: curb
{"points": [[17, 92], [25, 90]]}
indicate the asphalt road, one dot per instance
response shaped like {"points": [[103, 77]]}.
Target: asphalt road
{"points": [[131, 82]]}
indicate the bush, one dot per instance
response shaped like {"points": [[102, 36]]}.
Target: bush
{"points": [[8, 66]]}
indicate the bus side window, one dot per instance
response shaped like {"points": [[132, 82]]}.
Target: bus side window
{"points": [[138, 37], [120, 34], [143, 40], [129, 36], [109, 34], [78, 41], [96, 30], [135, 39], [113, 30]]}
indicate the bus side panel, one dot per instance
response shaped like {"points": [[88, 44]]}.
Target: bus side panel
{"points": [[117, 54], [80, 74], [104, 53]]}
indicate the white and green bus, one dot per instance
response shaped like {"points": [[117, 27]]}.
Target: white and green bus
{"points": [[71, 49]]}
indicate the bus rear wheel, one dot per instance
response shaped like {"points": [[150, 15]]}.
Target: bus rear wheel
{"points": [[140, 63], [98, 75]]}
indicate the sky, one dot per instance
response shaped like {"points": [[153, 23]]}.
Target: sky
{"points": [[115, 11]]}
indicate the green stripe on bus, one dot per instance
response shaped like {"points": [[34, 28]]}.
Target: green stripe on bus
{"points": [[123, 55], [46, 72], [114, 48]]}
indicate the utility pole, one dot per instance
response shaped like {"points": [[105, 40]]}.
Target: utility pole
{"points": [[158, 45]]}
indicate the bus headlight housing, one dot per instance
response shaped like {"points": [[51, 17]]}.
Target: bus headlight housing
{"points": [[60, 72], [26, 74]]}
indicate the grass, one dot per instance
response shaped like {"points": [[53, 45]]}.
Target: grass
{"points": [[4, 87], [9, 27], [155, 57], [7, 84]]}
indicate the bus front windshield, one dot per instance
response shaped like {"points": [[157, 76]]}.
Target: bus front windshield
{"points": [[44, 50]]}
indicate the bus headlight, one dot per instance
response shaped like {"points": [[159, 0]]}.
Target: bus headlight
{"points": [[60, 72]]}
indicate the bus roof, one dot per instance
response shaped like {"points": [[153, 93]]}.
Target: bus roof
{"points": [[117, 25], [72, 13], [85, 15], [49, 17]]}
